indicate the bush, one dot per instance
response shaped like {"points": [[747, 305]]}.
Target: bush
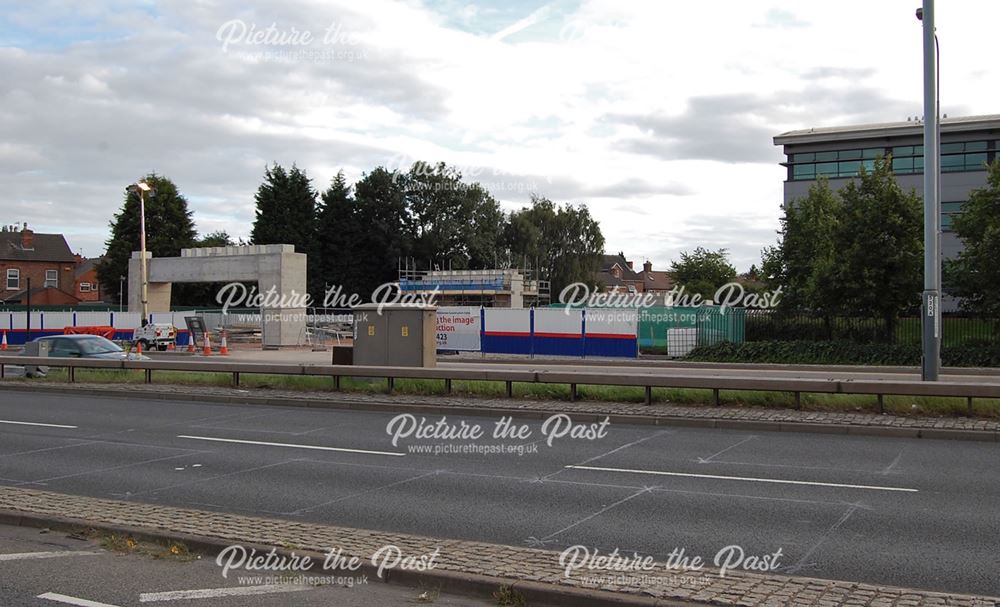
{"points": [[969, 354]]}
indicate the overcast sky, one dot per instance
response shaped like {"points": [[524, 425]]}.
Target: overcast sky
{"points": [[658, 114]]}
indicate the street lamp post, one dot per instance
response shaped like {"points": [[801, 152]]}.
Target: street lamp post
{"points": [[931, 301], [142, 187]]}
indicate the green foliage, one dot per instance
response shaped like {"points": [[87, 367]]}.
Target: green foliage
{"points": [[563, 242], [384, 230], [219, 238], [803, 261], [975, 275], [338, 233], [169, 229], [455, 224], [703, 272], [856, 251], [879, 246], [967, 354], [286, 211]]}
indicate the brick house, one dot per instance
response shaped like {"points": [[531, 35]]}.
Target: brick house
{"points": [[86, 287], [618, 274], [46, 259]]}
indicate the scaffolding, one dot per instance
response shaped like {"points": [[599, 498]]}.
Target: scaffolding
{"points": [[489, 288]]}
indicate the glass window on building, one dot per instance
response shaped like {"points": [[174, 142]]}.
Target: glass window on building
{"points": [[51, 278], [902, 166], [13, 279], [975, 162], [830, 169], [948, 212], [804, 171], [849, 168]]}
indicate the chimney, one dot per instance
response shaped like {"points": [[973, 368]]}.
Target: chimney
{"points": [[27, 238], [629, 264], [648, 266]]}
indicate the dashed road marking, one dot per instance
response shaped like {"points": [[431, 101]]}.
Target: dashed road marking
{"points": [[26, 556], [211, 593], [72, 600], [292, 445], [745, 478], [16, 423]]}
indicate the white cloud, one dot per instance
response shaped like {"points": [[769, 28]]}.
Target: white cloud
{"points": [[657, 114]]}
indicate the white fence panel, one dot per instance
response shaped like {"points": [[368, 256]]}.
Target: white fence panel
{"points": [[508, 320], [559, 321], [93, 319], [612, 321]]}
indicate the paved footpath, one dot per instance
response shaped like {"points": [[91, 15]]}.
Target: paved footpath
{"points": [[759, 418], [471, 566]]}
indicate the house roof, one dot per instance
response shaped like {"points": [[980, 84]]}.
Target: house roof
{"points": [[609, 261], [46, 247], [87, 265], [657, 280]]}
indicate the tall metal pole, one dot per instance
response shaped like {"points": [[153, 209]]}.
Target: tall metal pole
{"points": [[931, 364], [142, 249]]}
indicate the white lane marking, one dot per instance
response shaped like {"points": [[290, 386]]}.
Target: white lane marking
{"points": [[72, 600], [7, 421], [25, 556], [745, 478], [708, 460], [211, 593], [267, 444]]}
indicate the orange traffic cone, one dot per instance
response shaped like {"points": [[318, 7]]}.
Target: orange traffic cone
{"points": [[138, 348], [190, 342], [223, 348], [3, 344], [171, 346], [208, 346]]}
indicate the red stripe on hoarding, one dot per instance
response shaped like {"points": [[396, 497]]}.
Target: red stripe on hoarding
{"points": [[559, 335], [507, 333], [611, 335]]}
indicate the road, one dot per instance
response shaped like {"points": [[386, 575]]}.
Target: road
{"points": [[49, 569], [906, 512]]}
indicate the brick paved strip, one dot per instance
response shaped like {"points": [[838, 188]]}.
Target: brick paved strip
{"points": [[475, 566], [745, 418]]}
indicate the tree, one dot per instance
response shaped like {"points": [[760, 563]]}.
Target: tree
{"points": [[386, 236], [218, 238], [286, 211], [564, 242], [803, 262], [703, 272], [169, 229], [455, 224], [879, 247], [975, 274], [202, 294], [337, 238]]}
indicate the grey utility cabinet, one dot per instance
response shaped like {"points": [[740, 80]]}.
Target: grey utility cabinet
{"points": [[401, 336]]}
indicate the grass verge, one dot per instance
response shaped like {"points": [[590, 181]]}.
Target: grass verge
{"points": [[895, 405]]}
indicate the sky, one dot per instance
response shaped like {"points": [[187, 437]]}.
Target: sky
{"points": [[658, 115]]}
